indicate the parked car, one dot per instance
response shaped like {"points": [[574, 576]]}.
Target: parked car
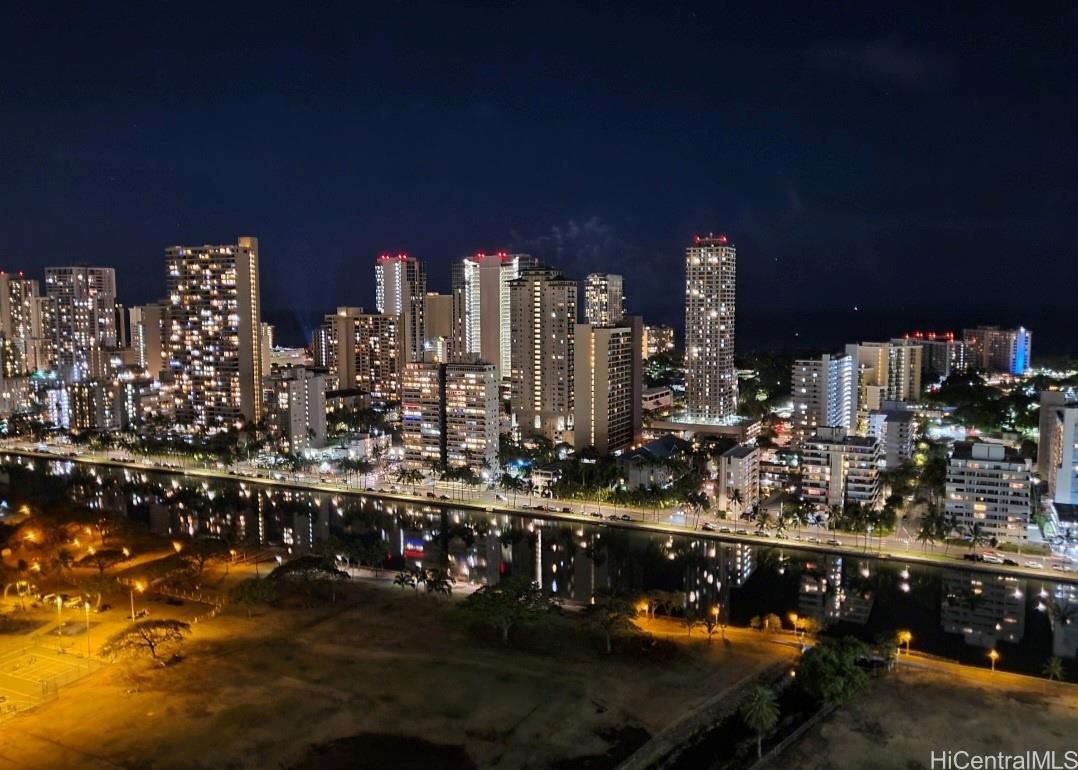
{"points": [[707, 526], [626, 517]]}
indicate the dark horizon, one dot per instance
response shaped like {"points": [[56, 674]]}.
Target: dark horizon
{"points": [[917, 164]]}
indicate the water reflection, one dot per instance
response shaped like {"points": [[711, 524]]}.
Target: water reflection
{"points": [[951, 612]]}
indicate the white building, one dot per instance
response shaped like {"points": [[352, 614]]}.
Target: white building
{"points": [[608, 378], [361, 350], [400, 290], [21, 332], [604, 299], [295, 403], [990, 485], [739, 476], [837, 468], [542, 342], [213, 339], [824, 392], [710, 300], [659, 397], [481, 307], [886, 371], [148, 335]]}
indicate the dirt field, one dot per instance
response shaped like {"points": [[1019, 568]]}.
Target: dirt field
{"points": [[363, 684], [900, 720]]}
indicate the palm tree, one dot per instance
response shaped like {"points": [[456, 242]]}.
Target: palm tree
{"points": [[404, 579], [1053, 669], [761, 713], [737, 499], [977, 538]]}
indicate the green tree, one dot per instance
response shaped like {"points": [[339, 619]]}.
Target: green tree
{"points": [[161, 639], [611, 614], [508, 604], [1053, 669], [829, 671], [439, 582], [760, 711], [253, 592], [405, 579]]}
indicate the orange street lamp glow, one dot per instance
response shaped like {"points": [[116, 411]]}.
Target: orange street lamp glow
{"points": [[993, 656], [905, 637], [177, 546]]}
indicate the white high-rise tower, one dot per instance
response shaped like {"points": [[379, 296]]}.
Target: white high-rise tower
{"points": [[710, 377]]}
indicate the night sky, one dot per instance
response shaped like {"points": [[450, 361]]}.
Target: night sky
{"points": [[918, 164]]}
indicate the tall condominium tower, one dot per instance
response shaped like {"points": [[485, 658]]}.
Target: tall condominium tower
{"points": [[213, 334], [400, 289], [481, 306], [1000, 350], [543, 326], [710, 303], [21, 333], [148, 335], [608, 386], [362, 350], [824, 395], [604, 299], [83, 322], [885, 371]]}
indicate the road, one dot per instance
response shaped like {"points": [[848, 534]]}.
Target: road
{"points": [[663, 522]]}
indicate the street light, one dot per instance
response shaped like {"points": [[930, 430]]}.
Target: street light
{"points": [[86, 606], [59, 624], [993, 656], [139, 586]]}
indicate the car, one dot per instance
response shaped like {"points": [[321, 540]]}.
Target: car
{"points": [[814, 540], [707, 526], [991, 558], [742, 532], [761, 533], [834, 541], [626, 517], [566, 509], [1010, 562], [1034, 565], [727, 530], [612, 517], [443, 497], [596, 514], [972, 557], [74, 601]]}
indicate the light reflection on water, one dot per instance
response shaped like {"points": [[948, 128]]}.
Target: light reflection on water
{"points": [[951, 612]]}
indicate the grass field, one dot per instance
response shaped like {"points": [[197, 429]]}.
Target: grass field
{"points": [[387, 676], [902, 718]]}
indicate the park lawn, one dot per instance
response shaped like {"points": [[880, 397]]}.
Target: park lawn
{"points": [[259, 692], [903, 717]]}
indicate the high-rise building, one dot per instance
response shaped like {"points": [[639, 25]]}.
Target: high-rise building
{"points": [[1006, 351], [362, 350], [542, 343], [942, 355], [656, 340], [266, 345], [83, 318], [1057, 449], [295, 406], [824, 394], [481, 306], [837, 468], [147, 337], [400, 286], [886, 371], [21, 333], [213, 340], [608, 380], [989, 485], [450, 415], [710, 304], [604, 299]]}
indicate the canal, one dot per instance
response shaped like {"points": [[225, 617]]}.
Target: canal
{"points": [[951, 612]]}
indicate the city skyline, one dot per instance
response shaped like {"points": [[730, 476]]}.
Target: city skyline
{"points": [[860, 146]]}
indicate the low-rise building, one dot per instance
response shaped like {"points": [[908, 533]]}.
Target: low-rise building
{"points": [[895, 429], [837, 468], [295, 405], [738, 487], [989, 485], [659, 397], [649, 465]]}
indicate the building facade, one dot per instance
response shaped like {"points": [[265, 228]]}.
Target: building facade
{"points": [[542, 353], [400, 287], [481, 307], [839, 469], [148, 336], [824, 392], [608, 380], [295, 405], [1003, 351], [989, 485], [82, 318], [213, 338], [362, 350], [710, 304], [604, 299], [1057, 450], [738, 483]]}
